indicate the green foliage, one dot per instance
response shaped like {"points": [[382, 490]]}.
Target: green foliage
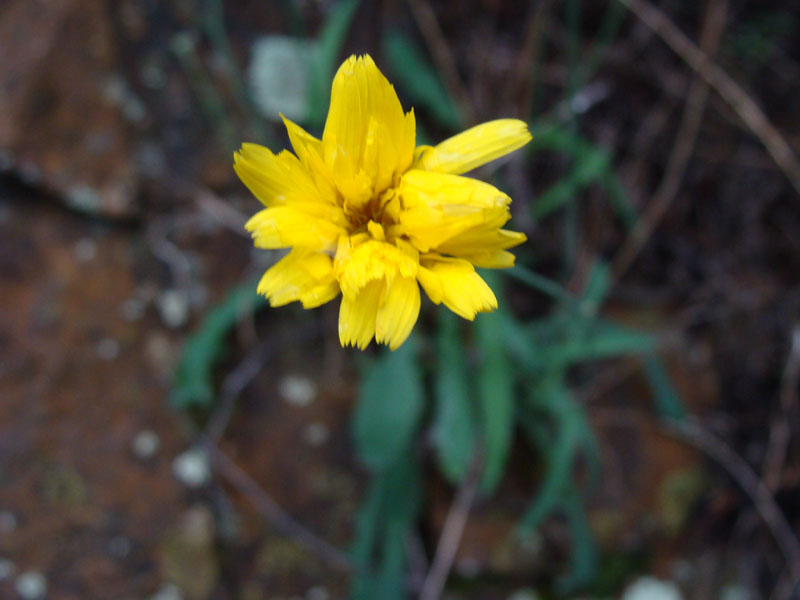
{"points": [[389, 406], [330, 41], [383, 524], [384, 425], [193, 382], [511, 376], [592, 165], [495, 385], [454, 420], [667, 402], [419, 80], [560, 432]]}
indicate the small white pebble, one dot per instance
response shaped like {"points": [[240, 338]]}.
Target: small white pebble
{"points": [[31, 585], [297, 391], [132, 309], [173, 306], [682, 571], [468, 566], [145, 444], [6, 160], [316, 434], [7, 568], [119, 546], [650, 588], [318, 593], [736, 592], [85, 250], [524, 594], [8, 521], [168, 592], [29, 173], [107, 349], [192, 468]]}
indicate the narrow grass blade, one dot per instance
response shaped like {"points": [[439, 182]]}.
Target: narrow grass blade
{"points": [[668, 403]]}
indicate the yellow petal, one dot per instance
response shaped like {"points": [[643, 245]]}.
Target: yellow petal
{"points": [[357, 315], [276, 179], [371, 261], [285, 226], [309, 151], [463, 290], [480, 240], [366, 132], [475, 147], [398, 312], [431, 283], [439, 206], [307, 277], [496, 259]]}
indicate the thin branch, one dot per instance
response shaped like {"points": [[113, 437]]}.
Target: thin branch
{"points": [[780, 431], [234, 384], [528, 64], [453, 529], [713, 26], [701, 438], [221, 210], [440, 52], [730, 91], [692, 432], [282, 521]]}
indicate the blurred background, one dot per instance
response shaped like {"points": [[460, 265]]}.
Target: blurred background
{"points": [[626, 426]]}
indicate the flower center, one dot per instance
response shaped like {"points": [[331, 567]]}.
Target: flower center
{"points": [[363, 218]]}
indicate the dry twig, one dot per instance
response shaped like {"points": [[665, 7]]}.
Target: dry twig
{"points": [[282, 521], [528, 64], [701, 438], [452, 531], [730, 91], [713, 26], [440, 52], [780, 431], [695, 434]]}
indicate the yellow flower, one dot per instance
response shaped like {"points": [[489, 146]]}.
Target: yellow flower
{"points": [[367, 214]]}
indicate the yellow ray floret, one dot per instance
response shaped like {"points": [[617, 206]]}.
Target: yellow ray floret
{"points": [[369, 215]]}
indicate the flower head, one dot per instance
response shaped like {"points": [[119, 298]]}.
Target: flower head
{"points": [[368, 214]]}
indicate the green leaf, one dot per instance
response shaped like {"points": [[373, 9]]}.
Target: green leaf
{"points": [[453, 424], [389, 407], [420, 80], [570, 340], [495, 384], [520, 347], [583, 557], [557, 427], [668, 403], [558, 447], [192, 384], [383, 523], [596, 287], [330, 43]]}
